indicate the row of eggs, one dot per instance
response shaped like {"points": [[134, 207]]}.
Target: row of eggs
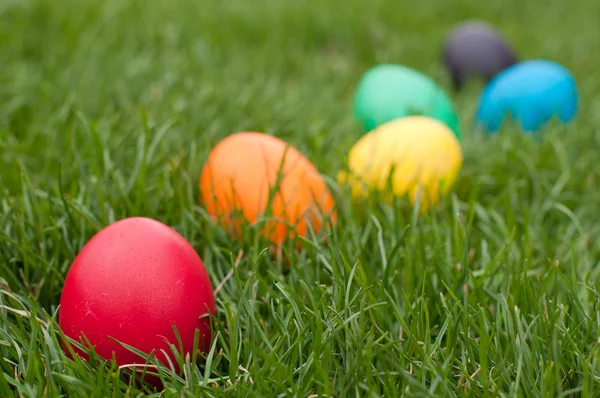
{"points": [[531, 92], [137, 278], [250, 175]]}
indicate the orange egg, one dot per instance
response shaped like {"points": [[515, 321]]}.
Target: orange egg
{"points": [[251, 175]]}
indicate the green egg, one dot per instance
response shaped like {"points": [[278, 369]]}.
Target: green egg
{"points": [[387, 92]]}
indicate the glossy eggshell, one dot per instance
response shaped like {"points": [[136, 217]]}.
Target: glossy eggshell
{"points": [[421, 153], [532, 93], [387, 92], [240, 176], [132, 282], [476, 49]]}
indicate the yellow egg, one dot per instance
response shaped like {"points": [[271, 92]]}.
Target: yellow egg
{"points": [[411, 155]]}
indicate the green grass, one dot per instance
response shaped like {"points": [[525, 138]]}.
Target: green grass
{"points": [[108, 110]]}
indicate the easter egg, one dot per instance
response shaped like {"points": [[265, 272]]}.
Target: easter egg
{"points": [[475, 49], [387, 92], [252, 177], [411, 156], [134, 281], [531, 93]]}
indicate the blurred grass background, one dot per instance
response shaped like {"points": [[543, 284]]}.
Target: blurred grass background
{"points": [[108, 110]]}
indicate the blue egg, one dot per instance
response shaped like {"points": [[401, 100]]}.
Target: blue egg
{"points": [[530, 92]]}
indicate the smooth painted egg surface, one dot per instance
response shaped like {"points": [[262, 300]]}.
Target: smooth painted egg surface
{"points": [[252, 176], [475, 49], [531, 93], [387, 92], [415, 155], [133, 281]]}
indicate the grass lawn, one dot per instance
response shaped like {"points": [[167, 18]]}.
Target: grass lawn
{"points": [[109, 108]]}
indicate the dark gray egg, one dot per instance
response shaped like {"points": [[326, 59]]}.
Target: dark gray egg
{"points": [[475, 49]]}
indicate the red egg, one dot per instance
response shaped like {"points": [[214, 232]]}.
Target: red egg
{"points": [[133, 281]]}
